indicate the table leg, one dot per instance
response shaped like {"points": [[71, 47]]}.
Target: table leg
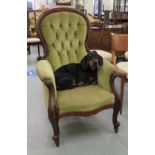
{"points": [[28, 50]]}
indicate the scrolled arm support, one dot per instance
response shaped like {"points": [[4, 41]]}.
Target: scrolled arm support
{"points": [[117, 104], [53, 111], [112, 85]]}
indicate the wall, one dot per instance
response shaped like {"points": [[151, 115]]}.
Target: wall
{"points": [[89, 6], [38, 3], [108, 4]]}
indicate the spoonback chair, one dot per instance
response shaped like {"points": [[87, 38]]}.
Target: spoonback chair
{"points": [[64, 34], [119, 43]]}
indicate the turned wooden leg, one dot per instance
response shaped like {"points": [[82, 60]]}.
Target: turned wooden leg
{"points": [[122, 93], [116, 106], [54, 122], [28, 50], [116, 124], [54, 119], [53, 112], [39, 56], [116, 110]]}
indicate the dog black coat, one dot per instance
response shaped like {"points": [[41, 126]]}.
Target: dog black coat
{"points": [[78, 74]]}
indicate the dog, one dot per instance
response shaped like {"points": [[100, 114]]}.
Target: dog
{"points": [[79, 74]]}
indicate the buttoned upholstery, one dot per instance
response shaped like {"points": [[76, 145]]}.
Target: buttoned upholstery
{"points": [[65, 38]]}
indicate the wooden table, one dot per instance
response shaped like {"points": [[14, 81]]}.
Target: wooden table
{"points": [[100, 38]]}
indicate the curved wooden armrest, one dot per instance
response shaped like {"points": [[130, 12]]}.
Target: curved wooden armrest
{"points": [[120, 73], [113, 88], [53, 109]]}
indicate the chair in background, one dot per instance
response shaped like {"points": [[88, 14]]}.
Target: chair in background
{"points": [[64, 34], [105, 21], [32, 38], [125, 28], [119, 43]]}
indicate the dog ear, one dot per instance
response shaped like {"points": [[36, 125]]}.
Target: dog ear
{"points": [[84, 64], [100, 60]]}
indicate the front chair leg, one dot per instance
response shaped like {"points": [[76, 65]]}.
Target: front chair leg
{"points": [[122, 93], [116, 106], [53, 112], [116, 110], [54, 122]]}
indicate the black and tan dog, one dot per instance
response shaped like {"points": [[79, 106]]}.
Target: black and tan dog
{"points": [[79, 74]]}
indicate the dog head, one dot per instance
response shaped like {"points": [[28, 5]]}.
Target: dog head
{"points": [[92, 60]]}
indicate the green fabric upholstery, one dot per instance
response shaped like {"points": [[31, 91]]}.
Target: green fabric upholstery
{"points": [[83, 99], [123, 66], [103, 75], [64, 34], [45, 72]]}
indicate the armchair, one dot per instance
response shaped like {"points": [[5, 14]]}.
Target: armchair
{"points": [[64, 34], [119, 43]]}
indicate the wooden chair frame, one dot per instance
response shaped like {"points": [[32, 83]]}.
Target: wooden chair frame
{"points": [[119, 43], [53, 110]]}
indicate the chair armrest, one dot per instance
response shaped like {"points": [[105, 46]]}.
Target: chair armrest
{"points": [[104, 74], [45, 73]]}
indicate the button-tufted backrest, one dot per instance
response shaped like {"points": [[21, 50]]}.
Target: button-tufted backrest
{"points": [[64, 32]]}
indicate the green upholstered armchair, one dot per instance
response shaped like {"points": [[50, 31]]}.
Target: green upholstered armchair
{"points": [[64, 34]]}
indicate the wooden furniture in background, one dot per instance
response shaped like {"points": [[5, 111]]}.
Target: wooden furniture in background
{"points": [[118, 17], [119, 43], [100, 37], [120, 5], [32, 37]]}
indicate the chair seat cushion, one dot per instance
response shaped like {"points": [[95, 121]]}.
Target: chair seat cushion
{"points": [[126, 55], [123, 66], [104, 54], [33, 40], [82, 99]]}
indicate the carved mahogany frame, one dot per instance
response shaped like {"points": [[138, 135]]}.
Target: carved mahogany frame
{"points": [[54, 115], [53, 110]]}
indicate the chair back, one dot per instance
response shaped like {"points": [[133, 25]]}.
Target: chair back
{"points": [[64, 34], [119, 42]]}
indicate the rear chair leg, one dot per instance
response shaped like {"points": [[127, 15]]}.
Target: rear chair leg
{"points": [[55, 125], [53, 112], [116, 106], [116, 110], [122, 93]]}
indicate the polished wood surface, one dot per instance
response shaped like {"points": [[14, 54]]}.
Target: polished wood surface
{"points": [[100, 37]]}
